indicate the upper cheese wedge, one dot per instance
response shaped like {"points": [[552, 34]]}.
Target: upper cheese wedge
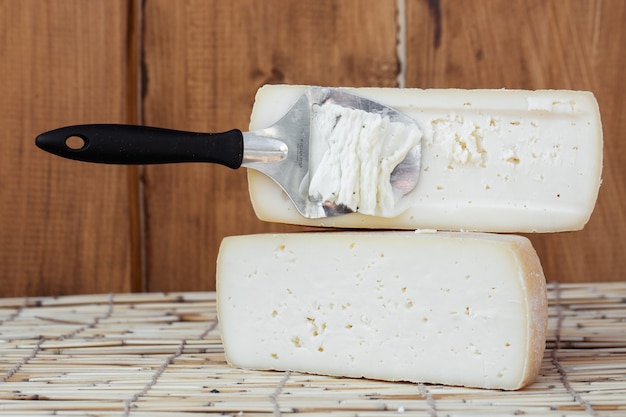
{"points": [[491, 160], [447, 307]]}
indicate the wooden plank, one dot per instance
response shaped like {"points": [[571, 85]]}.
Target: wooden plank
{"points": [[64, 225], [204, 61], [535, 45]]}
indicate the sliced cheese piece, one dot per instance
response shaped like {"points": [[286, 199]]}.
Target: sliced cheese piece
{"points": [[352, 156], [492, 160], [442, 307]]}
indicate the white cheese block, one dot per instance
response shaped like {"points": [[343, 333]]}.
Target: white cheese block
{"points": [[442, 307], [492, 160]]}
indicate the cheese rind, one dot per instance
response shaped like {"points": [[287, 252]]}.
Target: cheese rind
{"points": [[492, 160], [451, 308]]}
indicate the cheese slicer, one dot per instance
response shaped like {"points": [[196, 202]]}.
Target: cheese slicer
{"points": [[280, 151]]}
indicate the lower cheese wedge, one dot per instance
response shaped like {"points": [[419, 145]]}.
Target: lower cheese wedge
{"points": [[491, 160], [467, 309]]}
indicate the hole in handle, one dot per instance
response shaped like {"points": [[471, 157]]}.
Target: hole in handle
{"points": [[76, 143]]}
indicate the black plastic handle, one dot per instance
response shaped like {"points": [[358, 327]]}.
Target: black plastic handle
{"points": [[136, 145]]}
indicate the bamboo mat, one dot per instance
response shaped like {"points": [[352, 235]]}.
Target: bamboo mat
{"points": [[161, 354]]}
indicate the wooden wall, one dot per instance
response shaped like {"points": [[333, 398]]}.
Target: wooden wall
{"points": [[68, 227]]}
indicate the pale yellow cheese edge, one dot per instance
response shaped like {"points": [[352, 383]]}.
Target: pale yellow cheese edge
{"points": [[536, 296]]}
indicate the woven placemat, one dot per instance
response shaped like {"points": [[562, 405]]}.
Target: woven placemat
{"points": [[161, 354]]}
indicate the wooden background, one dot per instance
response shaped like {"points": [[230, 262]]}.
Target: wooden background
{"points": [[67, 227]]}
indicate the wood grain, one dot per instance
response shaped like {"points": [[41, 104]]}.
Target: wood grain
{"points": [[204, 62], [64, 225], [536, 44], [67, 227]]}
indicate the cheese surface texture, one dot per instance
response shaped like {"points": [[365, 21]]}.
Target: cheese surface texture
{"points": [[353, 153], [491, 160], [464, 309]]}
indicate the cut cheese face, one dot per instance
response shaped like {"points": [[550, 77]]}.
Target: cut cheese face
{"points": [[452, 308], [491, 160]]}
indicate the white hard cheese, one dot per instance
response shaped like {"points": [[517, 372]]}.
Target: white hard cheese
{"points": [[492, 160], [442, 307]]}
